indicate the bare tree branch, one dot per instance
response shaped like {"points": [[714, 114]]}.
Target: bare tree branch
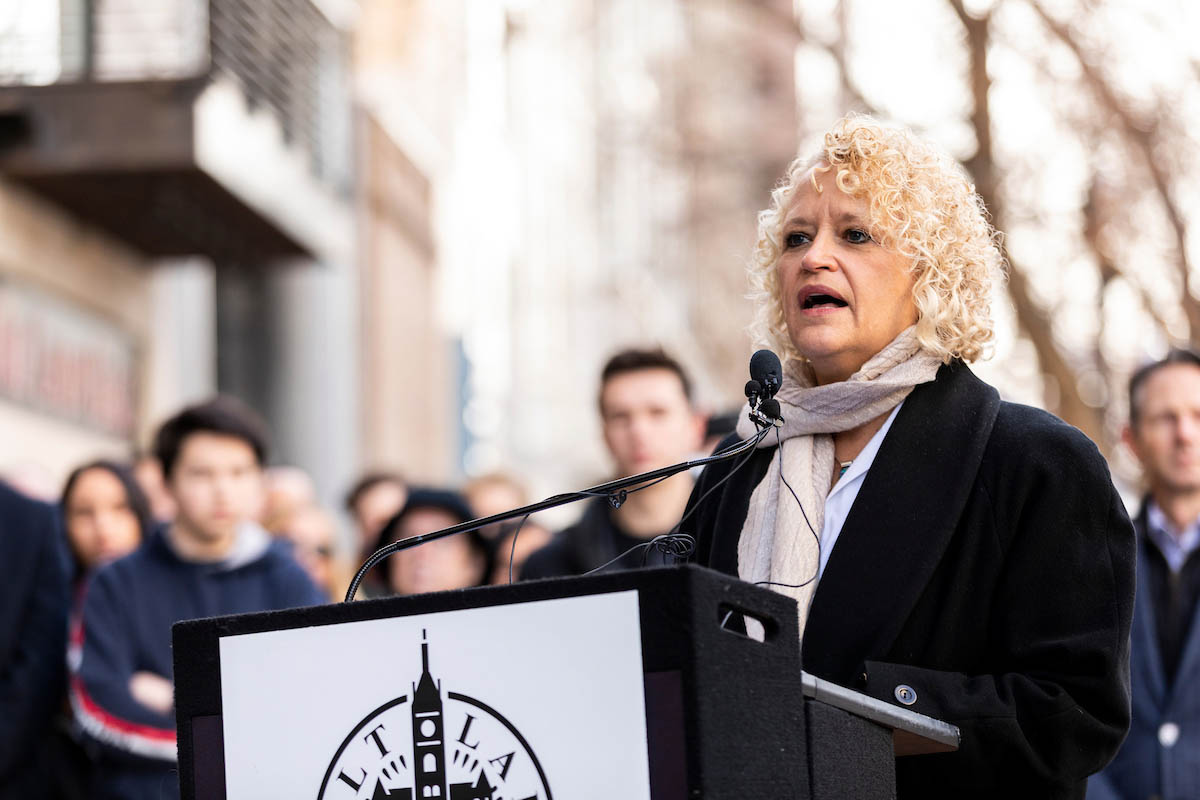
{"points": [[1097, 213], [1139, 137], [1031, 318], [772, 18]]}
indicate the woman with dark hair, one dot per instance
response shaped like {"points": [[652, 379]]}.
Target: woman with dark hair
{"points": [[105, 514], [454, 562]]}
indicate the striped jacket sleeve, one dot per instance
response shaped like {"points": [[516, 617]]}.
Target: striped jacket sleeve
{"points": [[102, 658]]}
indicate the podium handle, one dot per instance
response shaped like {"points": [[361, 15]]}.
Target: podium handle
{"points": [[749, 611]]}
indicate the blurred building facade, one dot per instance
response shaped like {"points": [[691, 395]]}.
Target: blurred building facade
{"points": [[409, 232], [181, 214], [590, 193]]}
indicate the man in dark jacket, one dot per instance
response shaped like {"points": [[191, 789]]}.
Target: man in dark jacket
{"points": [[33, 629], [649, 422], [211, 560], [1161, 756]]}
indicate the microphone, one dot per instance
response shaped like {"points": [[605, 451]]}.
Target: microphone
{"points": [[766, 376], [766, 369], [754, 391]]}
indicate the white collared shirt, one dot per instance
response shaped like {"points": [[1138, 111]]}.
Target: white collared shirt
{"points": [[1176, 546], [841, 497]]}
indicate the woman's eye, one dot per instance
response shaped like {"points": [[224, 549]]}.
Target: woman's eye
{"points": [[857, 236], [795, 240]]}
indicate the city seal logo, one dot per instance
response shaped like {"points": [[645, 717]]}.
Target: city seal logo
{"points": [[430, 744]]}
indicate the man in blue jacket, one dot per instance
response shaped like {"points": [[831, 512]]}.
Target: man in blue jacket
{"points": [[213, 559], [1161, 756]]}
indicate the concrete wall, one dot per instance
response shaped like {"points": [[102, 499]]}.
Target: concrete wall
{"points": [[53, 260]]}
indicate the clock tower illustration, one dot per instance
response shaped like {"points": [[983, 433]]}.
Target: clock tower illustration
{"points": [[429, 744], [488, 756]]}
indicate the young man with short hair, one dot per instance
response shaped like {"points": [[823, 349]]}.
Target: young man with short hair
{"points": [[212, 559], [649, 422]]}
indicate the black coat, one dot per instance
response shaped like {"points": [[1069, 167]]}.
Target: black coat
{"points": [[585, 545], [33, 640], [988, 564], [592, 542]]}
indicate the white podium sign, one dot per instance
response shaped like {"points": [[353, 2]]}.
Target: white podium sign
{"points": [[532, 701]]}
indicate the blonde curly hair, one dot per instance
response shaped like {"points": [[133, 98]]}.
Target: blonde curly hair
{"points": [[921, 206]]}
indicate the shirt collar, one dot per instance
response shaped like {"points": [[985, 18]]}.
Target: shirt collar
{"points": [[250, 542], [1175, 545], [862, 462]]}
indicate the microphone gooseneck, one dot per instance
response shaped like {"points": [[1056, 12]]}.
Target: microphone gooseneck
{"points": [[614, 490], [765, 379]]}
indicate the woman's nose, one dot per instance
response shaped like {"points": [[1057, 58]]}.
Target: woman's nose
{"points": [[819, 255]]}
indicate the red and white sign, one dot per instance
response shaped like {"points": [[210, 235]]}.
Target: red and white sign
{"points": [[60, 361]]}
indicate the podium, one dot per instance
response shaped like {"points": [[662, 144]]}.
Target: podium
{"points": [[632, 684]]}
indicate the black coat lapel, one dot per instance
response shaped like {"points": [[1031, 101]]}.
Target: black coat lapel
{"points": [[900, 523]]}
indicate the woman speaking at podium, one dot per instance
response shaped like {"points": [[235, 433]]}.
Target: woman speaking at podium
{"points": [[949, 552]]}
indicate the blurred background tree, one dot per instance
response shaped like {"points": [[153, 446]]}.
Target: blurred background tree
{"points": [[1075, 118]]}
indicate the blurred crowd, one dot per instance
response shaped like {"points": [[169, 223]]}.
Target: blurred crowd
{"points": [[202, 524], [107, 507]]}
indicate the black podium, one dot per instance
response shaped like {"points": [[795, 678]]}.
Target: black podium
{"points": [[725, 715]]}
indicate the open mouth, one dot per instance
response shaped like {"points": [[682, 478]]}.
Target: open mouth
{"points": [[821, 297], [821, 300]]}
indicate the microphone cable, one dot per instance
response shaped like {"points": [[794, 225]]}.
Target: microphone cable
{"points": [[679, 545], [816, 536], [758, 437], [512, 553], [674, 542], [617, 499]]}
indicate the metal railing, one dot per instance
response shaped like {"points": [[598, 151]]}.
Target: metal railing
{"points": [[103, 40], [285, 55]]}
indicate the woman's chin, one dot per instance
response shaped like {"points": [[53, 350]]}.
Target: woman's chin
{"points": [[818, 344], [832, 364]]}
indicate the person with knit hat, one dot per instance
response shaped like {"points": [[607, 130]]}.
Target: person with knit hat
{"points": [[453, 562]]}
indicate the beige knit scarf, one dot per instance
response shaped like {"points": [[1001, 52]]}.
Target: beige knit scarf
{"points": [[777, 543]]}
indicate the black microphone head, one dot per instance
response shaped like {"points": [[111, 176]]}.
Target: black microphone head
{"points": [[770, 408], [753, 388], [766, 369]]}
